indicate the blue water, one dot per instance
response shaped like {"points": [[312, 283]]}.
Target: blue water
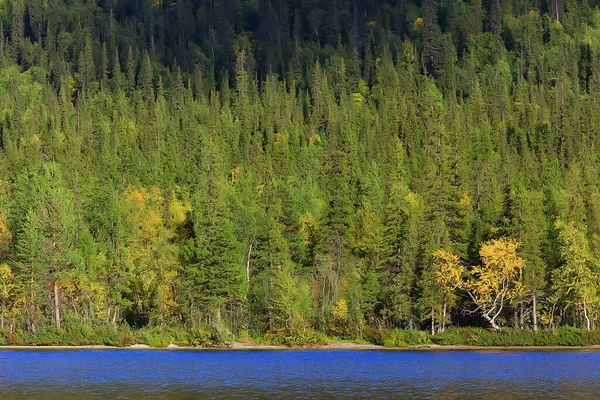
{"points": [[183, 374]]}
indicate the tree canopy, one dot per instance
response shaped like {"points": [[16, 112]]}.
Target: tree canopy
{"points": [[284, 167]]}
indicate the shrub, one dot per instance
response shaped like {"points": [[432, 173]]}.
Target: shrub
{"points": [[154, 337], [403, 338], [86, 331], [309, 337], [562, 336], [200, 336]]}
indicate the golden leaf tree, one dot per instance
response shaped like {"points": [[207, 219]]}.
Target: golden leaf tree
{"points": [[7, 286], [150, 254], [448, 276], [498, 280]]}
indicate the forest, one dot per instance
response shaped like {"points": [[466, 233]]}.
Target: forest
{"points": [[298, 169]]}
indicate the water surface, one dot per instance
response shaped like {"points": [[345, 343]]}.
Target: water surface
{"points": [[187, 374]]}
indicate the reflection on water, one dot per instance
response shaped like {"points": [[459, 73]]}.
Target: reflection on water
{"points": [[179, 374]]}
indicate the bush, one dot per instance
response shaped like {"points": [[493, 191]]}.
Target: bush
{"points": [[86, 331], [403, 338], [3, 337], [307, 338], [199, 336], [243, 336], [562, 336], [47, 336], [109, 336], [372, 335], [154, 337]]}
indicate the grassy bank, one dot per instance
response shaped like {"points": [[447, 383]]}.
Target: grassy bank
{"points": [[205, 337], [563, 336], [123, 336]]}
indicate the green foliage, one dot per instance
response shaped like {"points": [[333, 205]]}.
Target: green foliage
{"points": [[307, 338], [404, 338], [200, 336], [563, 336], [290, 168]]}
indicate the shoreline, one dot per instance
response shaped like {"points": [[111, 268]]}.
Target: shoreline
{"points": [[249, 346]]}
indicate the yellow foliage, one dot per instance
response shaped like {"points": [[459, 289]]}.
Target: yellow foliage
{"points": [[6, 281], [177, 211], [363, 88], [408, 50], [149, 253], [413, 199], [143, 214], [465, 200], [34, 140], [156, 194], [315, 139], [6, 273], [418, 24], [502, 253], [500, 274], [149, 226], [278, 138], [234, 173], [309, 229], [166, 295], [545, 319], [136, 196], [557, 25], [340, 310], [449, 270], [98, 297], [358, 98], [5, 235]]}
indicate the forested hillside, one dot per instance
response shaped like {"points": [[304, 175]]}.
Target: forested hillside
{"points": [[288, 168]]}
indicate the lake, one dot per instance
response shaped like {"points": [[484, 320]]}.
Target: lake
{"points": [[181, 374]]}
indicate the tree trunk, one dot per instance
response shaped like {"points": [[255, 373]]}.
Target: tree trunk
{"points": [[432, 321], [56, 305], [248, 265], [521, 322], [587, 319], [534, 312], [2, 318], [31, 306], [444, 317], [492, 322], [495, 325]]}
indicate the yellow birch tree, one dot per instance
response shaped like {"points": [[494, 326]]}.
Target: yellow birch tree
{"points": [[448, 272], [498, 280]]}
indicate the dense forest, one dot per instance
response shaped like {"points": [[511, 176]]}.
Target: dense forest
{"points": [[288, 168]]}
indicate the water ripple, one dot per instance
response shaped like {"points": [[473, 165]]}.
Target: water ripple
{"points": [[183, 374]]}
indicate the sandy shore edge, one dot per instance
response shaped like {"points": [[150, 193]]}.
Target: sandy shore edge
{"points": [[330, 346]]}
